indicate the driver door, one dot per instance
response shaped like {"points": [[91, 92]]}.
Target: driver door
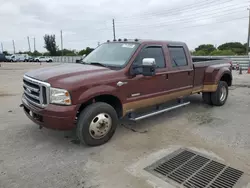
{"points": [[144, 91]]}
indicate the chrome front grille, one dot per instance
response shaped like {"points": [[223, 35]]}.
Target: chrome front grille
{"points": [[36, 92]]}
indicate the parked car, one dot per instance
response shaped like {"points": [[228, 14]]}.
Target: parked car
{"points": [[19, 58], [43, 59], [31, 59], [8, 58], [81, 59], [124, 79], [2, 58]]}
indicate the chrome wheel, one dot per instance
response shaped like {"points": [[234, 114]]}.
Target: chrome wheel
{"points": [[223, 93], [100, 126]]}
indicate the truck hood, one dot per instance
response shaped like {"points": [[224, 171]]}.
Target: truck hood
{"points": [[66, 75]]}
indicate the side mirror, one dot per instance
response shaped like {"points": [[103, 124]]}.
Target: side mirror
{"points": [[148, 66]]}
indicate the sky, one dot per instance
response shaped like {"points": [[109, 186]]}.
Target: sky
{"points": [[85, 23]]}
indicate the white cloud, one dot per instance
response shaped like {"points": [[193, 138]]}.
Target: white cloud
{"points": [[84, 23]]}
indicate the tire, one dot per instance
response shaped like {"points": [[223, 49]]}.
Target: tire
{"points": [[37, 60], [93, 115], [216, 97], [207, 98]]}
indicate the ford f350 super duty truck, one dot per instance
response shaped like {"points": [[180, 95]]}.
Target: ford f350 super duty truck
{"points": [[131, 79]]}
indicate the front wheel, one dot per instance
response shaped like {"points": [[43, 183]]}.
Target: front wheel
{"points": [[219, 97], [97, 124]]}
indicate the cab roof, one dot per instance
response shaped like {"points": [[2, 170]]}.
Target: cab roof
{"points": [[142, 41]]}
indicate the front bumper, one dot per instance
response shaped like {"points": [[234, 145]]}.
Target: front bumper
{"points": [[53, 116]]}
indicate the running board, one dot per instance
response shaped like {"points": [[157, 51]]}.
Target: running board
{"points": [[159, 111]]}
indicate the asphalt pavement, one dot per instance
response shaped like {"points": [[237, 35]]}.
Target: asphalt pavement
{"points": [[34, 158]]}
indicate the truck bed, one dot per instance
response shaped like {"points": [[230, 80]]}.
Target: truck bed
{"points": [[204, 61], [200, 65]]}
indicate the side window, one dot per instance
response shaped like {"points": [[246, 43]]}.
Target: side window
{"points": [[178, 56], [155, 52]]}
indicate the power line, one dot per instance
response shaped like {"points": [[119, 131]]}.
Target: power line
{"points": [[193, 26], [186, 20], [182, 9], [179, 21], [132, 29], [190, 16]]}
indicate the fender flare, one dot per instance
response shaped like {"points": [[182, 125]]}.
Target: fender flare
{"points": [[97, 91], [210, 81], [221, 73]]}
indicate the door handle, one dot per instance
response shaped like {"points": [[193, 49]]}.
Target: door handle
{"points": [[120, 83], [166, 76]]}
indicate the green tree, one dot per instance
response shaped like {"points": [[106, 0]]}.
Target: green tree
{"points": [[222, 52], [236, 47], [50, 44], [67, 52], [207, 48], [82, 52], [86, 51], [46, 54], [200, 53], [6, 53], [36, 53]]}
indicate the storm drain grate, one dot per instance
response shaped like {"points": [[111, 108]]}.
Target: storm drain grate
{"points": [[193, 170]]}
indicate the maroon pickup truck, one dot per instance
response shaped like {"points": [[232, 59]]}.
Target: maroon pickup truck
{"points": [[132, 79]]}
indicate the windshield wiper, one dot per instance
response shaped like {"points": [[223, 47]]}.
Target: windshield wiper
{"points": [[94, 63], [97, 63]]}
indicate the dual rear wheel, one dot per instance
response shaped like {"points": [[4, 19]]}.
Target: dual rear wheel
{"points": [[217, 98]]}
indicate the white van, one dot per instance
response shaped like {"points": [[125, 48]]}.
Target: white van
{"points": [[19, 58]]}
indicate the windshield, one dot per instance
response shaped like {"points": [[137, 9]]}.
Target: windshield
{"points": [[112, 54]]}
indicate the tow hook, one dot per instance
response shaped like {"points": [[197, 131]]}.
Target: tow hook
{"points": [[21, 105]]}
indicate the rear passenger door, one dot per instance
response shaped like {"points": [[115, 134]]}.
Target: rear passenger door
{"points": [[180, 73]]}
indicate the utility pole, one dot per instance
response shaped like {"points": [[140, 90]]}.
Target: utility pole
{"points": [[62, 42], [14, 48], [2, 46], [29, 43], [34, 44], [248, 35], [114, 29]]}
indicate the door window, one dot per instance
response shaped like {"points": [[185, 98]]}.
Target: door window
{"points": [[178, 56], [155, 52]]}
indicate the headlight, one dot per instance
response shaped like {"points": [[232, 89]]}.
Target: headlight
{"points": [[59, 96]]}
